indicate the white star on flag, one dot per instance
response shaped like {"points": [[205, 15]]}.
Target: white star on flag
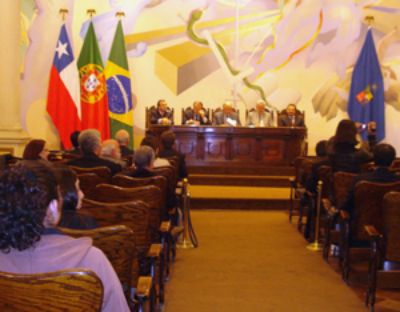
{"points": [[61, 49]]}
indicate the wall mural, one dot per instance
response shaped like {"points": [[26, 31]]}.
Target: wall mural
{"points": [[286, 51]]}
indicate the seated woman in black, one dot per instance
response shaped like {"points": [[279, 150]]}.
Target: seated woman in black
{"points": [[72, 197]]}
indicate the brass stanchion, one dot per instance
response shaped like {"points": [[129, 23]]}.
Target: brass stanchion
{"points": [[316, 245], [187, 241]]}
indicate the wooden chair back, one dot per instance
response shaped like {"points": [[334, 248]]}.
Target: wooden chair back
{"points": [[303, 166], [149, 194], [342, 182], [74, 290], [118, 244], [129, 182], [368, 207], [134, 215], [102, 172], [88, 181], [170, 174], [391, 226]]}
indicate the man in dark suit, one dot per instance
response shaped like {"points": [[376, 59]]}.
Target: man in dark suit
{"points": [[226, 117], [161, 115], [167, 150], [291, 118], [90, 144], [122, 137], [384, 154], [196, 115]]}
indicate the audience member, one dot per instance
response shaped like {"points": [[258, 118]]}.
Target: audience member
{"points": [[167, 150], [260, 117], [36, 150], [344, 156], [72, 197], [227, 116], [90, 144], [196, 115], [291, 118], [30, 242], [161, 115], [144, 162], [384, 154], [111, 151], [153, 142], [74, 140], [122, 137]]}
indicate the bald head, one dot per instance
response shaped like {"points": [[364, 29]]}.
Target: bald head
{"points": [[110, 148], [227, 107], [260, 106]]}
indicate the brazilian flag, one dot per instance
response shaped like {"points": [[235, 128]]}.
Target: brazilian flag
{"points": [[119, 86]]}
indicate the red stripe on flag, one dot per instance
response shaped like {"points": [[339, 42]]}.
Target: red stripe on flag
{"points": [[61, 108]]}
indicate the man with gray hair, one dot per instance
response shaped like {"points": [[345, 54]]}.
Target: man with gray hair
{"points": [[227, 116], [144, 160], [111, 151], [122, 137], [260, 117], [90, 144]]}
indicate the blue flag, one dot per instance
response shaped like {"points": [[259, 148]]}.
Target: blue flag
{"points": [[366, 100]]}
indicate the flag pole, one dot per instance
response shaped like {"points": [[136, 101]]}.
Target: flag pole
{"points": [[63, 12]]}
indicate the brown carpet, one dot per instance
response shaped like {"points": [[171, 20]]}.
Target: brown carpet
{"points": [[253, 261]]}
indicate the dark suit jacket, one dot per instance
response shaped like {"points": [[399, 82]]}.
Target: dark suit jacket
{"points": [[92, 160], [141, 173], [190, 114], [181, 158], [285, 121], [345, 157], [379, 175], [220, 118], [125, 151], [155, 115]]}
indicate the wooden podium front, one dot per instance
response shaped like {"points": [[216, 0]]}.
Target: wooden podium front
{"points": [[238, 146]]}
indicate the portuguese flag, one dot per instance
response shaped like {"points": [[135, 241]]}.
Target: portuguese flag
{"points": [[94, 104], [119, 86]]}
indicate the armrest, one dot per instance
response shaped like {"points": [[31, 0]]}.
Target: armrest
{"points": [[154, 251], [165, 227], [344, 215], [372, 231], [144, 287]]}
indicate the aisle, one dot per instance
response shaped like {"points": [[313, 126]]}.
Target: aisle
{"points": [[253, 261]]}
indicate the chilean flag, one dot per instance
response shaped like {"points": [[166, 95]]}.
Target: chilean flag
{"points": [[63, 96]]}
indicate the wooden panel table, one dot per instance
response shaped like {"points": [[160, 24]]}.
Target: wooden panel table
{"points": [[238, 146]]}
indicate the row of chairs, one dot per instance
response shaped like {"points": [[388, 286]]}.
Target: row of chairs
{"points": [[135, 233], [373, 232]]}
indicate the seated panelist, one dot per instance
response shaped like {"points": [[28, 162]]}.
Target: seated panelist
{"points": [[260, 117], [291, 118], [227, 116], [162, 115], [196, 115]]}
